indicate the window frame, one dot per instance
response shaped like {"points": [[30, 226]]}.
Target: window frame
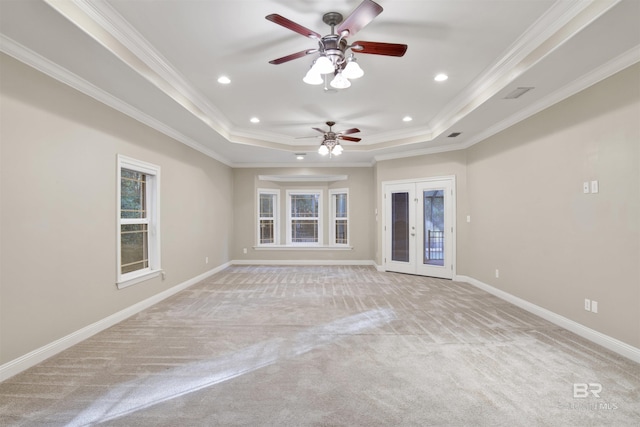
{"points": [[275, 218], [334, 218], [319, 218], [152, 206]]}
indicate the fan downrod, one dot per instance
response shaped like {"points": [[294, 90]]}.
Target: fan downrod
{"points": [[332, 18]]}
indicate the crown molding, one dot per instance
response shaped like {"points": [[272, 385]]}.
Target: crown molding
{"points": [[560, 23], [72, 80], [105, 25], [626, 59]]}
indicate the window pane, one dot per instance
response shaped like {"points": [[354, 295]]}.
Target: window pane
{"points": [[304, 205], [266, 231], [304, 231], [266, 205], [134, 247], [341, 205], [341, 231], [132, 194]]}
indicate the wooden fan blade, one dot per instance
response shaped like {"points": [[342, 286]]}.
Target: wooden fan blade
{"points": [[375, 48], [361, 16], [319, 130], [349, 138], [292, 56], [287, 23], [350, 131]]}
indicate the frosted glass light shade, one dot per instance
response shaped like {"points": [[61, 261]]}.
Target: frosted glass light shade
{"points": [[323, 150], [352, 70], [323, 65], [337, 150], [313, 78], [340, 82]]}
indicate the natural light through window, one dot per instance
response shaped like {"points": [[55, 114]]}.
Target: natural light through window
{"points": [[304, 210], [138, 237], [339, 216], [268, 227]]}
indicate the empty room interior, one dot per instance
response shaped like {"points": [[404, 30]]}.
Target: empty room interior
{"points": [[337, 212]]}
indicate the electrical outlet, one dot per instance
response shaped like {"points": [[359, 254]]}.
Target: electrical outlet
{"points": [[244, 250], [587, 304], [585, 187], [594, 306], [497, 273], [206, 260]]}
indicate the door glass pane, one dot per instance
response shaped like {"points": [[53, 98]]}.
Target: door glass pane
{"points": [[400, 227], [433, 208]]}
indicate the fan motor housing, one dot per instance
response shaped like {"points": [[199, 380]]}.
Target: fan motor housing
{"points": [[333, 46]]}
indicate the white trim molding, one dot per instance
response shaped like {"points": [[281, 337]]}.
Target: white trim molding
{"points": [[38, 355], [599, 338]]}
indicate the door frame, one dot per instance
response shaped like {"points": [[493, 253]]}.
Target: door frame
{"points": [[383, 191]]}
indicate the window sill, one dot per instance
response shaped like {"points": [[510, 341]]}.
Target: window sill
{"points": [[303, 248], [141, 278]]}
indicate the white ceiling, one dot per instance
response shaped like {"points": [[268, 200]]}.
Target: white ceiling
{"points": [[158, 61]]}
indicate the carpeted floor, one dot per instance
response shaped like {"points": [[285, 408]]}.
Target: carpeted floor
{"points": [[328, 346]]}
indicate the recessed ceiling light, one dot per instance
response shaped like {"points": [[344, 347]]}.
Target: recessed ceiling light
{"points": [[407, 118], [441, 77], [254, 120], [300, 156], [224, 80]]}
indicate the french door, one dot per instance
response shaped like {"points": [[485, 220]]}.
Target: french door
{"points": [[418, 227]]}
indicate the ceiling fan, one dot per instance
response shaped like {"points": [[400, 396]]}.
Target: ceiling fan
{"points": [[332, 48], [331, 140]]}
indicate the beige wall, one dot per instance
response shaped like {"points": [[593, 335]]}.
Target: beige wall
{"points": [[58, 224], [554, 245], [360, 183]]}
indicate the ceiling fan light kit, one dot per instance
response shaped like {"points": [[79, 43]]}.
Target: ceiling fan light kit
{"points": [[331, 140], [333, 58], [332, 48]]}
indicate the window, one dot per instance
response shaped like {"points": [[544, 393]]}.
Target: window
{"points": [[138, 221], [339, 217], [268, 227], [304, 211]]}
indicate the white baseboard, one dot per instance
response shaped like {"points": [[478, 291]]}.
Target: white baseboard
{"points": [[30, 359], [606, 341], [303, 262]]}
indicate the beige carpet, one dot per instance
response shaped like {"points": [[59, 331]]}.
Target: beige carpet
{"points": [[328, 346]]}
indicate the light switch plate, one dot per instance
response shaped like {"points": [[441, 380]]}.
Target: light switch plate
{"points": [[594, 186], [585, 187]]}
